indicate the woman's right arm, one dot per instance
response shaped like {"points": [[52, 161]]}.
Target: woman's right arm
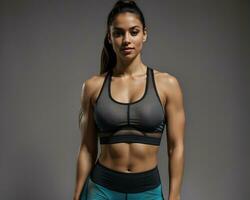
{"points": [[89, 143]]}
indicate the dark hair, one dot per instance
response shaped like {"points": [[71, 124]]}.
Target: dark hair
{"points": [[108, 56]]}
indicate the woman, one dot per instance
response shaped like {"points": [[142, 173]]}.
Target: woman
{"points": [[126, 106]]}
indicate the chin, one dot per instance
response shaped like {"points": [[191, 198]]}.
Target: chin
{"points": [[128, 56]]}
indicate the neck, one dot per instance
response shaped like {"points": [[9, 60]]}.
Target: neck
{"points": [[129, 68]]}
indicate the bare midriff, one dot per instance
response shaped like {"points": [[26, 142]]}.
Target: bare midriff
{"points": [[129, 157]]}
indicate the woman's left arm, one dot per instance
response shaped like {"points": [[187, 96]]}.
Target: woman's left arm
{"points": [[175, 136]]}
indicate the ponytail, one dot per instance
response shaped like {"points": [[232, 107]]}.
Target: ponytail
{"points": [[108, 56]]}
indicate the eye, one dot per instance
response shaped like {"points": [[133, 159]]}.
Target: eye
{"points": [[117, 33], [134, 33]]}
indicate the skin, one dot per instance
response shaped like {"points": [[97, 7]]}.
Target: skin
{"points": [[129, 74]]}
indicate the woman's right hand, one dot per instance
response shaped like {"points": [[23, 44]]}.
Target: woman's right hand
{"points": [[76, 197]]}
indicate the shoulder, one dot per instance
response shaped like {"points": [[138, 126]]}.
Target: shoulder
{"points": [[168, 83], [165, 76], [91, 86]]}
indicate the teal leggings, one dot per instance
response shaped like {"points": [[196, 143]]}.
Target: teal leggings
{"points": [[93, 191]]}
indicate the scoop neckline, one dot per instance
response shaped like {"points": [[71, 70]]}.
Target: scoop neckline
{"points": [[128, 103]]}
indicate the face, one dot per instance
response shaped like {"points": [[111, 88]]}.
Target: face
{"points": [[127, 31]]}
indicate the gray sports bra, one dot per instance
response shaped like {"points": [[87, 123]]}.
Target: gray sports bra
{"points": [[141, 121]]}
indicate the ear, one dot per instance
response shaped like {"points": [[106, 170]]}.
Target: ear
{"points": [[145, 35], [109, 38]]}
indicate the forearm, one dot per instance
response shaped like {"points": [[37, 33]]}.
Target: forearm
{"points": [[175, 166], [85, 162]]}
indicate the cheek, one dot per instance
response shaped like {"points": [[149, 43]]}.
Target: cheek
{"points": [[138, 43], [116, 41], [117, 44]]}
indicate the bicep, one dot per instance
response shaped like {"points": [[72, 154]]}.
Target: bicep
{"points": [[86, 120], [175, 114]]}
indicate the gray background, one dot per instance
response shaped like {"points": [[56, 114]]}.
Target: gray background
{"points": [[48, 48]]}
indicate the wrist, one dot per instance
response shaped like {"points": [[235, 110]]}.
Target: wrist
{"points": [[76, 197], [174, 197]]}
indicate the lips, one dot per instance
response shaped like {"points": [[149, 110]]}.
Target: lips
{"points": [[127, 48]]}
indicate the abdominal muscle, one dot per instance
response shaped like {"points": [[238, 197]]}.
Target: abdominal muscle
{"points": [[129, 157]]}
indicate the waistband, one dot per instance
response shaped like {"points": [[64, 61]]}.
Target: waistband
{"points": [[125, 182]]}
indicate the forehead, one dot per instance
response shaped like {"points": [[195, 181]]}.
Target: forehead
{"points": [[126, 20]]}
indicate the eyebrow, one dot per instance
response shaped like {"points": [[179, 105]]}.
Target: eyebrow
{"points": [[118, 28]]}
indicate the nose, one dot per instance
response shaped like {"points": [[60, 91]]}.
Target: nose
{"points": [[126, 38]]}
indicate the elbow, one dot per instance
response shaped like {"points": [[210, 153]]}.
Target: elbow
{"points": [[176, 148], [88, 153]]}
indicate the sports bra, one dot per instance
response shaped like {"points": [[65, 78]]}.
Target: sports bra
{"points": [[141, 121]]}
